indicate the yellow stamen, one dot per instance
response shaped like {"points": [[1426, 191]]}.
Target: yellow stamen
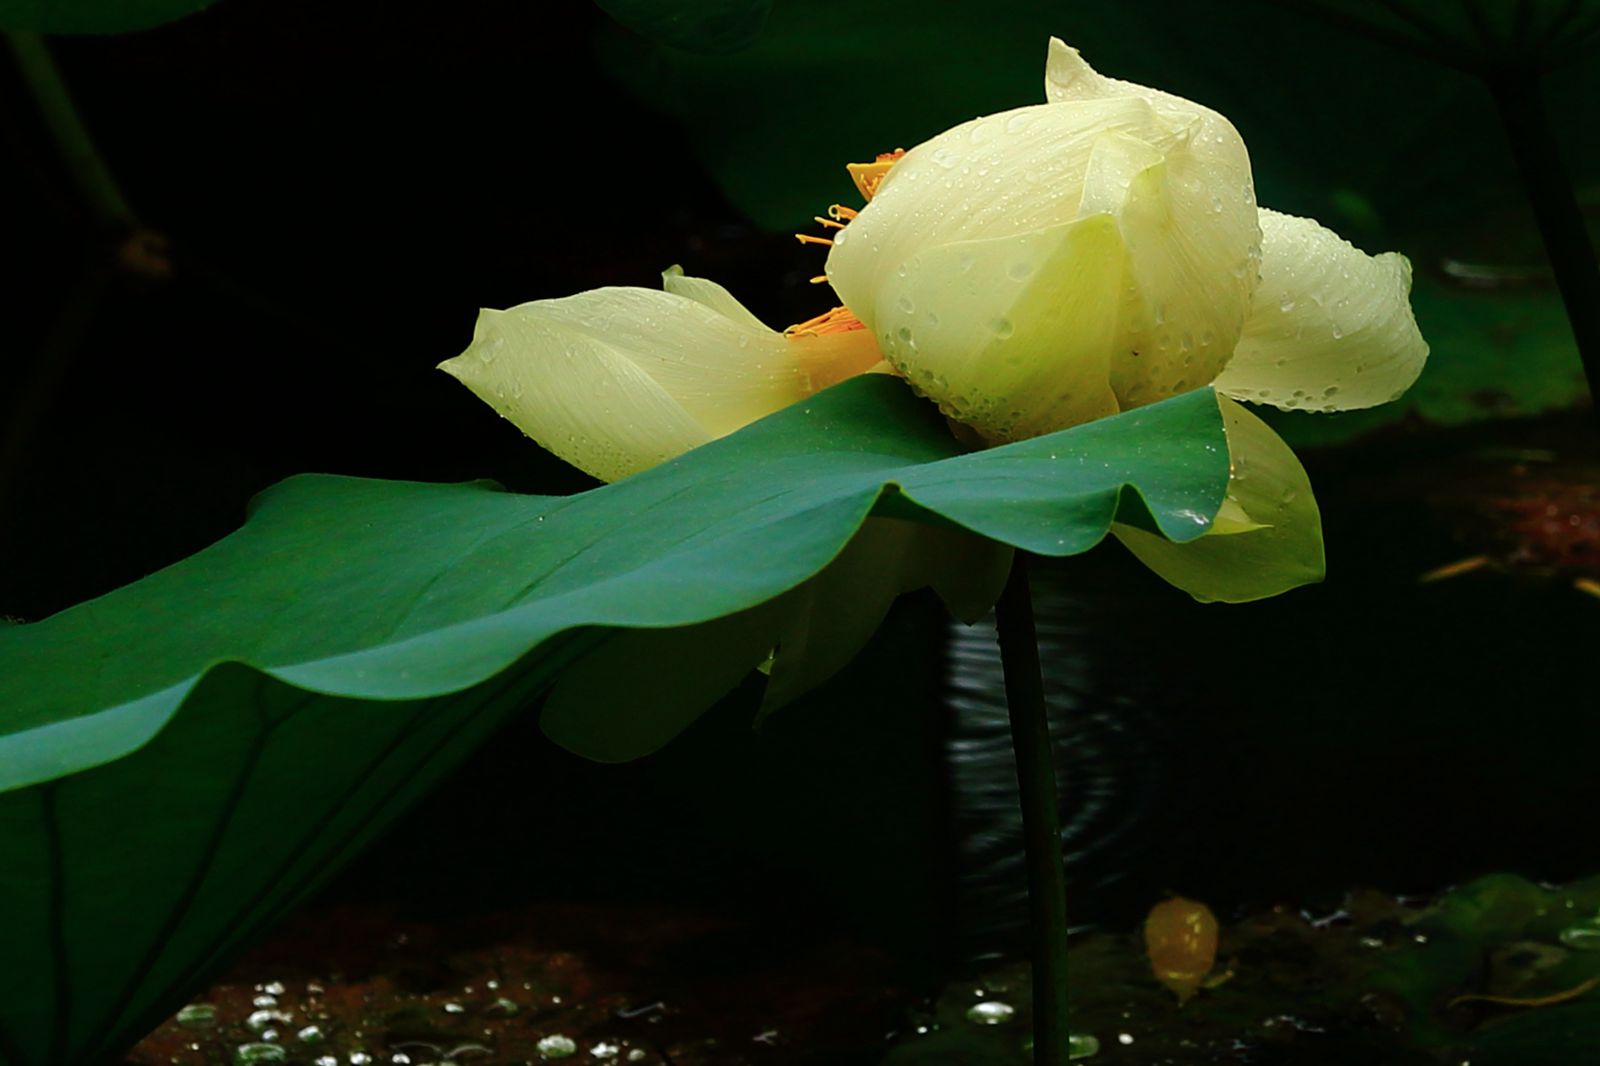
{"points": [[838, 320], [819, 279], [843, 212], [828, 222], [1587, 584], [806, 238]]}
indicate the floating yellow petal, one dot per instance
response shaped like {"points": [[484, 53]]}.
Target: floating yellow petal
{"points": [[1181, 938]]}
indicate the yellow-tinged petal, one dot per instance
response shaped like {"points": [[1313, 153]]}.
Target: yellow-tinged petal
{"points": [[1004, 175], [1191, 228], [829, 358], [836, 612], [1011, 335], [574, 394], [1268, 536], [1330, 327], [616, 380], [714, 296]]}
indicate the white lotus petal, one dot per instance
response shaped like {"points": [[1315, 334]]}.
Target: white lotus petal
{"points": [[1192, 238], [1266, 540], [837, 611], [575, 396], [616, 380], [1008, 174], [707, 292], [1330, 327], [1011, 335]]}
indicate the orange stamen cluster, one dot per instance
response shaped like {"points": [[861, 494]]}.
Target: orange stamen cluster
{"points": [[867, 176], [838, 320]]}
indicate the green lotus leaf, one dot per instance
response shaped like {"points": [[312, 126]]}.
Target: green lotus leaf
{"points": [[183, 759]]}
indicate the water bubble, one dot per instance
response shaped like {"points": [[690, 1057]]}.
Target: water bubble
{"points": [[196, 1015], [454, 1008], [311, 1034], [1582, 936], [271, 988], [1286, 304], [604, 1050], [1002, 327], [1019, 270], [360, 1058], [265, 1001], [1082, 1046], [905, 304], [261, 1019], [556, 1047], [990, 1012], [245, 1054], [327, 1060]]}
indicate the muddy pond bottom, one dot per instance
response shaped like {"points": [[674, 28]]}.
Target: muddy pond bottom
{"points": [[1497, 972]]}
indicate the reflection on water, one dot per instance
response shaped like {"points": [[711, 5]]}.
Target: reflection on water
{"points": [[1108, 766]]}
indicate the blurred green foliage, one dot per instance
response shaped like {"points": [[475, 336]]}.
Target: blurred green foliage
{"points": [[712, 26]]}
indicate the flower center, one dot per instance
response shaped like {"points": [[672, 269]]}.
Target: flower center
{"points": [[838, 320], [867, 176]]}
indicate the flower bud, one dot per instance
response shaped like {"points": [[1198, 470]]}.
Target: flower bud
{"points": [[1050, 265]]}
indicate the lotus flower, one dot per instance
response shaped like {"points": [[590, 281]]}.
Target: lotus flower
{"points": [[1027, 271]]}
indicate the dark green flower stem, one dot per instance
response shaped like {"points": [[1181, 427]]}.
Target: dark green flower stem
{"points": [[1555, 208], [60, 116], [1041, 829]]}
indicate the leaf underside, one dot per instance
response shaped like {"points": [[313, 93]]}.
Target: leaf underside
{"points": [[184, 759]]}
